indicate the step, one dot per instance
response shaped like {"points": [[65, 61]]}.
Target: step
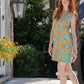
{"points": [[35, 81]]}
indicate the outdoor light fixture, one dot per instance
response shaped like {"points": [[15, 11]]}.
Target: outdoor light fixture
{"points": [[19, 8]]}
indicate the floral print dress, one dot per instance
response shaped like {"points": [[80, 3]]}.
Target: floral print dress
{"points": [[62, 39]]}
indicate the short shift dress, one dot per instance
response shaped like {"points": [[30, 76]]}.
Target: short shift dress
{"points": [[62, 39]]}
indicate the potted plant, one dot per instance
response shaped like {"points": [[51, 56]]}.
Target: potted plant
{"points": [[8, 49]]}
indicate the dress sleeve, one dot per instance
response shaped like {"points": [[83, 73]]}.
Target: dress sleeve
{"points": [[72, 14], [54, 14]]}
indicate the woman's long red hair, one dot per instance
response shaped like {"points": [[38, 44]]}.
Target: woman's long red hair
{"points": [[58, 12]]}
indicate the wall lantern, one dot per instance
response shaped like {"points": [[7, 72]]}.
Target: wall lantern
{"points": [[19, 8]]}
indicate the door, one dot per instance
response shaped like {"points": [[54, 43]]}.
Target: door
{"points": [[2, 34]]}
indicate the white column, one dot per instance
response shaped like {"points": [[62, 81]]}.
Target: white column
{"points": [[2, 33]]}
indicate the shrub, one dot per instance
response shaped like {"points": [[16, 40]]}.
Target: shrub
{"points": [[26, 63]]}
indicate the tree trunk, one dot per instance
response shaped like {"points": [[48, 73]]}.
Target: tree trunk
{"points": [[52, 4], [77, 64]]}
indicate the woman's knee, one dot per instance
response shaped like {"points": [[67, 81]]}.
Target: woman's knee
{"points": [[68, 68], [61, 66]]}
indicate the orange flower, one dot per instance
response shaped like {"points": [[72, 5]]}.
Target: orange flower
{"points": [[12, 43], [11, 56], [7, 46], [4, 40], [1, 57], [4, 53], [17, 43], [9, 53], [20, 46]]}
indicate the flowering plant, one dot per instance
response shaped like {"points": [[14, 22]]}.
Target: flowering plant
{"points": [[8, 49]]}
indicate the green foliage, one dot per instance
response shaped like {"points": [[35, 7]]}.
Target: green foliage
{"points": [[28, 31]]}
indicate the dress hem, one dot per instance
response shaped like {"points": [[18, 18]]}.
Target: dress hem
{"points": [[60, 61]]}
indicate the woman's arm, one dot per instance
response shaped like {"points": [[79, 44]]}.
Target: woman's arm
{"points": [[51, 34], [73, 32]]}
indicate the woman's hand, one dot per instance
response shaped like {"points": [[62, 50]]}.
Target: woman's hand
{"points": [[50, 49], [74, 56]]}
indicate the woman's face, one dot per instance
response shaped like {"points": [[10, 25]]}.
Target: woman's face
{"points": [[65, 2]]}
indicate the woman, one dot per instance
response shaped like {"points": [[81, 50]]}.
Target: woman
{"points": [[64, 49]]}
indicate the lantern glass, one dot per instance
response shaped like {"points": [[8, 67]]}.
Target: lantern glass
{"points": [[19, 9]]}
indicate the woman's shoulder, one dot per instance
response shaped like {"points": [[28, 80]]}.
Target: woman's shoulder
{"points": [[73, 14]]}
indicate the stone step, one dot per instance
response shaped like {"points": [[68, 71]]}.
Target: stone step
{"points": [[35, 81], [58, 82]]}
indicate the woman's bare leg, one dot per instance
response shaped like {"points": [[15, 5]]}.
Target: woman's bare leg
{"points": [[71, 74], [61, 70]]}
